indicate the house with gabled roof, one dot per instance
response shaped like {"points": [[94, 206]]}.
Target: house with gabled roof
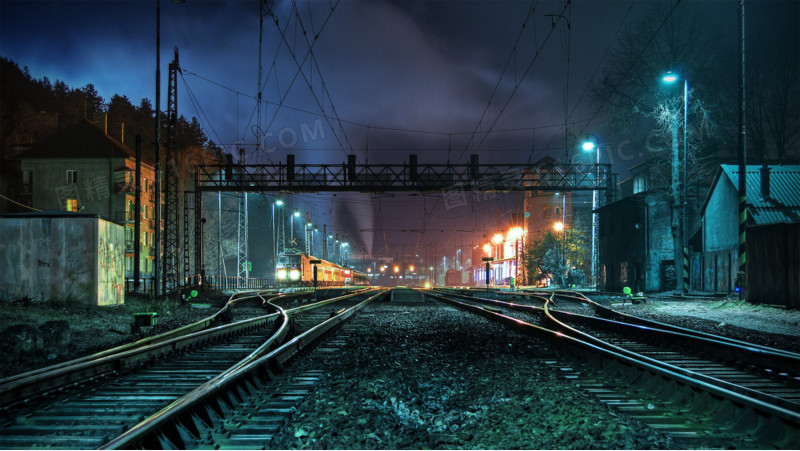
{"points": [[773, 197], [84, 169]]}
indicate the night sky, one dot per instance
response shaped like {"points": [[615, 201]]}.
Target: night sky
{"points": [[387, 79]]}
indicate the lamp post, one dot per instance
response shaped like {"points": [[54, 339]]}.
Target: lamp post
{"points": [[514, 235], [296, 214], [559, 227], [274, 239], [588, 146], [670, 78]]}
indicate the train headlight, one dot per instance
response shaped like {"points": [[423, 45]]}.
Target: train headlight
{"points": [[294, 274], [281, 274]]}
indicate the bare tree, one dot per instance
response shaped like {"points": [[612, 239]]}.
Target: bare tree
{"points": [[665, 38]]}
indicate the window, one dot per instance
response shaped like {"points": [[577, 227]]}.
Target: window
{"points": [[144, 210], [72, 204], [128, 264], [145, 184], [27, 181], [639, 184], [72, 177]]}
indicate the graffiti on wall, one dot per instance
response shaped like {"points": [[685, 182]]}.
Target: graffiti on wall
{"points": [[110, 264]]}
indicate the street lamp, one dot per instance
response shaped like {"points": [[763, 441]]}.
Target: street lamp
{"points": [[514, 235], [559, 227], [670, 78], [588, 146], [497, 239], [296, 214], [279, 203]]}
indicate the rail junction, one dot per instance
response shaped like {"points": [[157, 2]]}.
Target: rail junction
{"points": [[217, 383]]}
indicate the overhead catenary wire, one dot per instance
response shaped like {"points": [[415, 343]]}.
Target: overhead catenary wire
{"points": [[514, 91]]}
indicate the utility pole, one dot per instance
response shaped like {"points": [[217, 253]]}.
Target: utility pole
{"points": [[742, 146], [243, 266]]}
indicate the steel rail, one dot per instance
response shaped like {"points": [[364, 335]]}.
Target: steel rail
{"points": [[177, 418], [733, 351], [633, 368], [127, 356], [721, 350], [609, 313]]}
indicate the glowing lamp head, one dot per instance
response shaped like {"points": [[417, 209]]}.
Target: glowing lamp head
{"points": [[669, 77], [588, 146], [294, 274], [279, 202], [497, 239], [487, 248], [296, 214], [396, 268], [559, 226], [411, 268], [515, 233]]}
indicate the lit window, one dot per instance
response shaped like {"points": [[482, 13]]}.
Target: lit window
{"points": [[72, 204], [72, 177], [639, 184]]}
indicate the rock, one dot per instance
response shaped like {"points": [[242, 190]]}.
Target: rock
{"points": [[22, 342], [56, 334]]}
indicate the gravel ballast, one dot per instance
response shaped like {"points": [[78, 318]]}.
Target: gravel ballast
{"points": [[429, 376]]}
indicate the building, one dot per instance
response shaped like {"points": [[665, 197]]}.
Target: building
{"points": [[635, 245], [84, 169], [773, 196], [63, 256]]}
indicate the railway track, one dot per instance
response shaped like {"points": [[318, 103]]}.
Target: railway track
{"points": [[88, 402], [699, 385]]}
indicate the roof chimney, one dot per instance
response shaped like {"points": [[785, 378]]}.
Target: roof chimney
{"points": [[122, 133], [765, 181]]}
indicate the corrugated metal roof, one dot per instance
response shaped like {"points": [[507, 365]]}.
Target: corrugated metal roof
{"points": [[783, 204]]}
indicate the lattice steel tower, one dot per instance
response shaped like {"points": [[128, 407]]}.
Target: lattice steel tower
{"points": [[171, 191], [242, 265]]}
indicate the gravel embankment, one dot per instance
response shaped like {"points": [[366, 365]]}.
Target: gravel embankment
{"points": [[35, 335], [761, 324], [429, 376]]}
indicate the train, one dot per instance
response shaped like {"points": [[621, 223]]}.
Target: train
{"points": [[294, 269]]}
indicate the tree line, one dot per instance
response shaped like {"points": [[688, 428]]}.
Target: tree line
{"points": [[32, 109]]}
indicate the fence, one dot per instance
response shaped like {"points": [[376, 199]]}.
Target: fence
{"points": [[773, 264]]}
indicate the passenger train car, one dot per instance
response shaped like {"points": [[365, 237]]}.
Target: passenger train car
{"points": [[294, 269]]}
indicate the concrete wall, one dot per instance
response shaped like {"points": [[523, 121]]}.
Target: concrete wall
{"points": [[720, 222], [59, 257]]}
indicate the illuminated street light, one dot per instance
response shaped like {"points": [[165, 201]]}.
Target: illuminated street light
{"points": [[396, 269], [593, 144], [278, 203], [558, 226], [670, 78], [487, 248], [498, 238]]}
